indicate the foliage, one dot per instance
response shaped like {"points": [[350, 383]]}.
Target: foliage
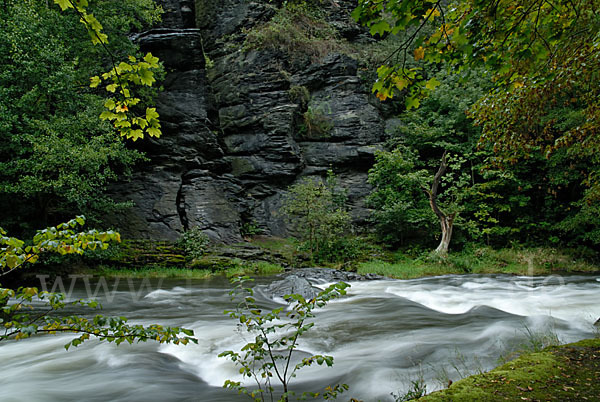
{"points": [[316, 210], [194, 242], [121, 77], [298, 30], [537, 201], [57, 158], [540, 110], [26, 311], [418, 389], [399, 207], [315, 124], [512, 39], [299, 94], [250, 228], [61, 239], [276, 333]]}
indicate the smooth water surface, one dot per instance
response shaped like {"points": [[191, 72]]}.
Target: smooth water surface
{"points": [[383, 335]]}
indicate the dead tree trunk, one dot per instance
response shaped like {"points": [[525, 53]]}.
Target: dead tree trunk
{"points": [[446, 220]]}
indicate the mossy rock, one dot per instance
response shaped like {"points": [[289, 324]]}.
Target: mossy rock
{"points": [[139, 253]]}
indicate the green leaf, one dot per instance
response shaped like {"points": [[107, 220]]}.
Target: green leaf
{"points": [[380, 28], [110, 104], [147, 77], [63, 4], [432, 84], [151, 60], [412, 102], [151, 113], [95, 81], [153, 132]]}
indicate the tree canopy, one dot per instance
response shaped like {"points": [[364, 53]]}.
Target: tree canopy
{"points": [[57, 157], [541, 108]]}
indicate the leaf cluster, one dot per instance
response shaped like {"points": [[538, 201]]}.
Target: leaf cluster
{"points": [[57, 158], [26, 311]]}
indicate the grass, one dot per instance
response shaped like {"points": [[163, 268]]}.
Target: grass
{"points": [[151, 272], [483, 260], [237, 267], [287, 248], [557, 373]]}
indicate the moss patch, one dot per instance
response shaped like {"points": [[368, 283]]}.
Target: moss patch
{"points": [[558, 373]]}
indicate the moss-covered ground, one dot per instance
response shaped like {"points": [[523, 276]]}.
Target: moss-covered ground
{"points": [[558, 373]]}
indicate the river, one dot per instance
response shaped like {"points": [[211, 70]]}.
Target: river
{"points": [[383, 335]]}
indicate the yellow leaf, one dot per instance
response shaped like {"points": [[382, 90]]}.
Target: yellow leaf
{"points": [[434, 12], [419, 53], [400, 83], [153, 132], [381, 96]]}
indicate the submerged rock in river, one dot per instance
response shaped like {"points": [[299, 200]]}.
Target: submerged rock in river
{"points": [[325, 275], [292, 284], [299, 281]]}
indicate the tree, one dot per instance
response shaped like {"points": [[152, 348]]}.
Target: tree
{"points": [[398, 187], [541, 57], [317, 211], [56, 158], [19, 318], [400, 211], [45, 96]]}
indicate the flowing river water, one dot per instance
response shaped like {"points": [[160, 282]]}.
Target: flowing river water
{"points": [[383, 335]]}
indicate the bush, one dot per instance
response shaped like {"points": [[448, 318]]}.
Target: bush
{"points": [[315, 124], [194, 242], [298, 30], [316, 210]]}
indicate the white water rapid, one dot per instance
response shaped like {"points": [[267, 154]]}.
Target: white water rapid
{"points": [[383, 335]]}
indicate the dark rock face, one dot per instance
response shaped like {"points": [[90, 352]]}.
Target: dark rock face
{"points": [[231, 141]]}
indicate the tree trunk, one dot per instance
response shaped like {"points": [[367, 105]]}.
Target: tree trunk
{"points": [[446, 221]]}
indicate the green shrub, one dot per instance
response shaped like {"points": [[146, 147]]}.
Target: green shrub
{"points": [[298, 30], [250, 228], [315, 124], [268, 357], [194, 242], [299, 94], [317, 211]]}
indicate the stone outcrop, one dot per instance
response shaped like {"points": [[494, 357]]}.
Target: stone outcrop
{"points": [[232, 137]]}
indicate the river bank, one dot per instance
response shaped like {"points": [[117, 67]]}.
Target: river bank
{"points": [[268, 255], [558, 373]]}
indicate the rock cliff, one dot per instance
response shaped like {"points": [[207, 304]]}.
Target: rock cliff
{"points": [[236, 122]]}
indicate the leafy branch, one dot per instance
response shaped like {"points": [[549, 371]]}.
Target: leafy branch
{"points": [[119, 80], [276, 337]]}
